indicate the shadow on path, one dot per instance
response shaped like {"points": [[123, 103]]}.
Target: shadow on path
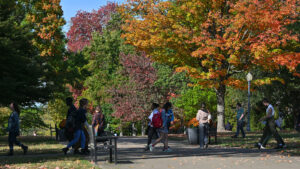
{"points": [[132, 148]]}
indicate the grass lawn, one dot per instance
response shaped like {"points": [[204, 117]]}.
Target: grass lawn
{"points": [[44, 152]]}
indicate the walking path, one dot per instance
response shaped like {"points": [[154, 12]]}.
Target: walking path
{"points": [[132, 155]]}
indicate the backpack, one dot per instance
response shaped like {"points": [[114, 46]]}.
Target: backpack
{"points": [[71, 120], [157, 120]]}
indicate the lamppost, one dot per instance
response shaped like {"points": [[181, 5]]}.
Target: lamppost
{"points": [[249, 78]]}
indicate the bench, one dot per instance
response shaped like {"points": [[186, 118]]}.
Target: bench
{"points": [[111, 146], [212, 132]]}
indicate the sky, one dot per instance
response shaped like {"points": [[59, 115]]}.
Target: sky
{"points": [[70, 7]]}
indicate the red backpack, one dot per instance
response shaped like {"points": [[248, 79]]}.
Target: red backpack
{"points": [[157, 120]]}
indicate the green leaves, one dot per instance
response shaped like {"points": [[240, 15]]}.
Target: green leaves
{"points": [[192, 97]]}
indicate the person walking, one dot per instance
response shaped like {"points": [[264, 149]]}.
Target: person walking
{"points": [[203, 117], [14, 129], [151, 129], [72, 108], [80, 120], [99, 122], [169, 115], [270, 128], [163, 130], [240, 121], [69, 128]]}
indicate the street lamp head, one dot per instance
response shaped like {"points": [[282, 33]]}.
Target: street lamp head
{"points": [[249, 77]]}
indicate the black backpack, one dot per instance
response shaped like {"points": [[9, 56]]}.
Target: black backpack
{"points": [[71, 120]]}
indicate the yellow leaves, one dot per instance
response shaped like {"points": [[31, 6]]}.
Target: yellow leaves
{"points": [[47, 20], [264, 81]]}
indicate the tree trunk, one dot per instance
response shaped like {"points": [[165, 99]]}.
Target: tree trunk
{"points": [[221, 107], [121, 130], [134, 130], [143, 128]]}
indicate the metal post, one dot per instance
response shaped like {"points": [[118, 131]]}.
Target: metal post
{"points": [[248, 124]]}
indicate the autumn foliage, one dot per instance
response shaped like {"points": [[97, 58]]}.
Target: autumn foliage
{"points": [[131, 99], [213, 40], [46, 18], [85, 23]]}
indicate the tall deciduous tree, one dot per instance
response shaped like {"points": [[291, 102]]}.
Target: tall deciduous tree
{"points": [[214, 39], [47, 21], [132, 99], [85, 23]]}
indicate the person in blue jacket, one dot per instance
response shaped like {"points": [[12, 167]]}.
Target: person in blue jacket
{"points": [[14, 129], [169, 115]]}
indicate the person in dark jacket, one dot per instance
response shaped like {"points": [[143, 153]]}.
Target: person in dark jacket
{"points": [[69, 131], [14, 129], [80, 119], [69, 103], [98, 123]]}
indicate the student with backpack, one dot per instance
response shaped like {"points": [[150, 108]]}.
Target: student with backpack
{"points": [[70, 121], [159, 121], [151, 129], [14, 129], [80, 120], [270, 128]]}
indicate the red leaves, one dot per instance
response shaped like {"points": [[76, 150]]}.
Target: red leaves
{"points": [[85, 23], [139, 69], [132, 99]]}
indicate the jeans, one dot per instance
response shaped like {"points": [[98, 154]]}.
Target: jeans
{"points": [[151, 132], [269, 130], [79, 134], [203, 134], [12, 139], [240, 125]]}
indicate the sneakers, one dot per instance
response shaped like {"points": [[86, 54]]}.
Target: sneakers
{"points": [[262, 147], [167, 150], [76, 151], [205, 146], [151, 147], [85, 151], [25, 149], [65, 150], [281, 146], [259, 146], [146, 148]]}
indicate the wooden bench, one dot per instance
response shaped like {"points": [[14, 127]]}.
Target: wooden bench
{"points": [[111, 146]]}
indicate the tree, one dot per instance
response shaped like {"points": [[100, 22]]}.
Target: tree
{"points": [[214, 40], [189, 100], [21, 69], [132, 100], [47, 21], [85, 23]]}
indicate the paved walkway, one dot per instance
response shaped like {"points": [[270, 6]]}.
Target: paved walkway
{"points": [[132, 155]]}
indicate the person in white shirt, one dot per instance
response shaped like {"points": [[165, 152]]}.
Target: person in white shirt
{"points": [[270, 128], [151, 130], [203, 116]]}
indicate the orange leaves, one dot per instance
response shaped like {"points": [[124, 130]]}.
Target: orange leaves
{"points": [[46, 18], [193, 123], [290, 60], [210, 41]]}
